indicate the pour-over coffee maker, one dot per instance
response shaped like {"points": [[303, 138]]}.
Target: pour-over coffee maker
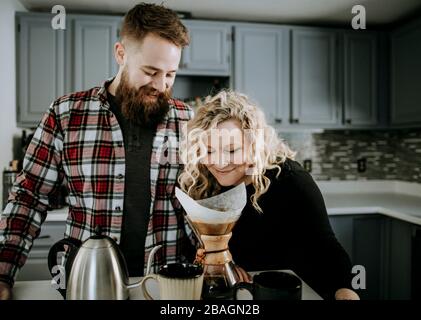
{"points": [[212, 221]]}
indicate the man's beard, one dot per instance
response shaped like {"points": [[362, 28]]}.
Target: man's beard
{"points": [[137, 104]]}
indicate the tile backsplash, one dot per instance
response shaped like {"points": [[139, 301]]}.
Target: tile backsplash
{"points": [[389, 155]]}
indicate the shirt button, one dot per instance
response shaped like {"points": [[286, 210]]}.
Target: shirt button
{"points": [[117, 208], [120, 176]]}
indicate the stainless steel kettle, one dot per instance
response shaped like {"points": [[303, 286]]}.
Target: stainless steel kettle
{"points": [[94, 270]]}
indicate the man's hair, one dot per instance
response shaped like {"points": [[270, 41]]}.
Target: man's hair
{"points": [[147, 18]]}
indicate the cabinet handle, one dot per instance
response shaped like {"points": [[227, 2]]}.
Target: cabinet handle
{"points": [[44, 237], [295, 120], [278, 120], [348, 121]]}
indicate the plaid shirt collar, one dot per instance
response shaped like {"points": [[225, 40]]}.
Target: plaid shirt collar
{"points": [[102, 93]]}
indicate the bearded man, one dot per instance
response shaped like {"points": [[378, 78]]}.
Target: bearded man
{"points": [[115, 148]]}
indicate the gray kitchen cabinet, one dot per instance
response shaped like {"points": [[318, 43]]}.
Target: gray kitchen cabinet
{"points": [[364, 238], [370, 251], [209, 52], [315, 84], [400, 277], [40, 66], [262, 69], [342, 226], [36, 266], [406, 74], [51, 63], [94, 39], [360, 78], [383, 246]]}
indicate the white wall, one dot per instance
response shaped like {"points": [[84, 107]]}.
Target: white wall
{"points": [[7, 83]]}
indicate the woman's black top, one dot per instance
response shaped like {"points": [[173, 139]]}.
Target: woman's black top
{"points": [[293, 232]]}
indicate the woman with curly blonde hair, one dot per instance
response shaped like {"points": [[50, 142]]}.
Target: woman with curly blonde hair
{"points": [[284, 224]]}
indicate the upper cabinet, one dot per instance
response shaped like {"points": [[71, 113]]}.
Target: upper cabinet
{"points": [[40, 66], [262, 69], [53, 62], [334, 78], [314, 77], [308, 77], [406, 75], [360, 78], [93, 50], [300, 76], [209, 52]]}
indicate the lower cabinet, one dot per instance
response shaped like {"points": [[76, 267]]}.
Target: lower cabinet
{"points": [[403, 273], [383, 246], [36, 266]]}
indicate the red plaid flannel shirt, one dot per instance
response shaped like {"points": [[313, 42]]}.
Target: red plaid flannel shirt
{"points": [[79, 141]]}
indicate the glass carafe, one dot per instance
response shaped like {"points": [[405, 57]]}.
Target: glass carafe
{"points": [[219, 269]]}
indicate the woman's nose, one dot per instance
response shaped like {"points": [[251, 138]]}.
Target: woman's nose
{"points": [[223, 161]]}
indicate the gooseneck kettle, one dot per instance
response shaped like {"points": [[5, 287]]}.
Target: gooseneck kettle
{"points": [[94, 270]]}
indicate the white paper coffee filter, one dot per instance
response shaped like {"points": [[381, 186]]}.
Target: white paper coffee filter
{"points": [[222, 208]]}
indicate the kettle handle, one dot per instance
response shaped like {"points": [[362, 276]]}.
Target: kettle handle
{"points": [[74, 245]]}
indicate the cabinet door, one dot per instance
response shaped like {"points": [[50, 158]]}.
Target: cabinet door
{"points": [[36, 266], [406, 74], [360, 79], [342, 226], [262, 69], [371, 252], [93, 48], [314, 77], [209, 49], [40, 67], [400, 260]]}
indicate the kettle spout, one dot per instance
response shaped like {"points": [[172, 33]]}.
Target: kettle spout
{"points": [[148, 268], [150, 258]]}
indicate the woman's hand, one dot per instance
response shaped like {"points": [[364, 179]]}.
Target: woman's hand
{"points": [[244, 276], [346, 294], [5, 291]]}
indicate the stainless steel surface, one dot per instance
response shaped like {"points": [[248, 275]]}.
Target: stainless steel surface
{"points": [[98, 272]]}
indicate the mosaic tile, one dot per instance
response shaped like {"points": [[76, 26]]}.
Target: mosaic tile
{"points": [[394, 154]]}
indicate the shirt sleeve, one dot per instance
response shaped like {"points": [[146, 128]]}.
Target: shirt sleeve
{"points": [[323, 263], [28, 203]]}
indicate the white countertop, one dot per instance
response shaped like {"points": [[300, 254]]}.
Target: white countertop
{"points": [[400, 200], [43, 290], [397, 199], [58, 214]]}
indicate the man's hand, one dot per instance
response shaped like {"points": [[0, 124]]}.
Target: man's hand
{"points": [[5, 291], [346, 294]]}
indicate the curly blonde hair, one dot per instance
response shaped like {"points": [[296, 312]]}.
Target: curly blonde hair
{"points": [[267, 151]]}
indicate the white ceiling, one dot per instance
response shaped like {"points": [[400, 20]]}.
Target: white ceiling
{"points": [[379, 12]]}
